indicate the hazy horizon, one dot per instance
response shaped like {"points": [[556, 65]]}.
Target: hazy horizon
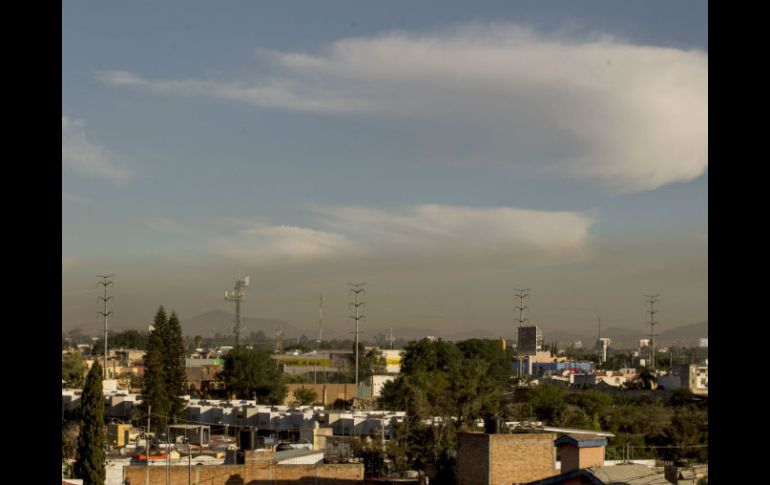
{"points": [[445, 153]]}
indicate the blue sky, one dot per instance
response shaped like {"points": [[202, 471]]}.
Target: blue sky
{"points": [[436, 150]]}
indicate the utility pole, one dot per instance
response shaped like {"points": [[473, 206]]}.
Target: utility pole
{"points": [[652, 300], [106, 282], [521, 294], [237, 296], [356, 289]]}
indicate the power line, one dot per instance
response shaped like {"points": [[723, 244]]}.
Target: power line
{"points": [[106, 282], [356, 289]]}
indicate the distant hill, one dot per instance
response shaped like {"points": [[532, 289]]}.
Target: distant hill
{"points": [[629, 337], [220, 321]]}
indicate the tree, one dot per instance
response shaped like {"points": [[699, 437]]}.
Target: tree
{"points": [[249, 373], [73, 370], [174, 363], [89, 465], [370, 363], [647, 377], [155, 396], [155, 399], [305, 396], [547, 402]]}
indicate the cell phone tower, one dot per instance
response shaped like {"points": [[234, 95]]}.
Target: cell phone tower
{"points": [[237, 296], [106, 282], [356, 289]]}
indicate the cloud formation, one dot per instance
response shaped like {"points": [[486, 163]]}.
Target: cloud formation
{"points": [[264, 244], [85, 157], [633, 116], [426, 231]]}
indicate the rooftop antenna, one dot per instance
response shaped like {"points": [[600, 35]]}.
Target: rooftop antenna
{"points": [[106, 282], [237, 296], [356, 289], [652, 300]]}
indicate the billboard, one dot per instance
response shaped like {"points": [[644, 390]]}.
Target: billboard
{"points": [[530, 340]]}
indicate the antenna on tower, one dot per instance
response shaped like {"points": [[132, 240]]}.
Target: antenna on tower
{"points": [[106, 282], [237, 296], [356, 289], [652, 300]]}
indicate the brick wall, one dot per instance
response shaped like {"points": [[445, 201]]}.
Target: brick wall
{"points": [[497, 459], [327, 393], [521, 458], [254, 474]]}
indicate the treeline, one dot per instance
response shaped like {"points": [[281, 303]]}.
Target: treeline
{"points": [[459, 383]]}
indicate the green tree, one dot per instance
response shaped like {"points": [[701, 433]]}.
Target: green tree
{"points": [[174, 364], [155, 395], [647, 377], [249, 373], [548, 402], [305, 396], [89, 465], [73, 370]]}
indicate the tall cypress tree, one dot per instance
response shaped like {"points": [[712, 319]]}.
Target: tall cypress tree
{"points": [[155, 395], [90, 454], [176, 375]]}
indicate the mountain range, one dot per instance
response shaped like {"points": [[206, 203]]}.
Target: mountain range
{"points": [[220, 321]]}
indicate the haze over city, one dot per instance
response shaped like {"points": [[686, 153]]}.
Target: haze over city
{"points": [[444, 156]]}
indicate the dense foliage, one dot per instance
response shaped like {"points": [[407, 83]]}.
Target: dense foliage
{"points": [[73, 370], [251, 374], [164, 379], [452, 384], [89, 465]]}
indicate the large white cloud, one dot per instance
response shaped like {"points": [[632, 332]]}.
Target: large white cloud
{"points": [[430, 232], [633, 116], [265, 244], [86, 157]]}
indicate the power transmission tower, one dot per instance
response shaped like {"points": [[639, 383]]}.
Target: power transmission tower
{"points": [[522, 294], [356, 289], [105, 282], [320, 320], [237, 296], [652, 300]]}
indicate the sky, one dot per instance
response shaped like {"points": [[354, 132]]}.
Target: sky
{"points": [[445, 153]]}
